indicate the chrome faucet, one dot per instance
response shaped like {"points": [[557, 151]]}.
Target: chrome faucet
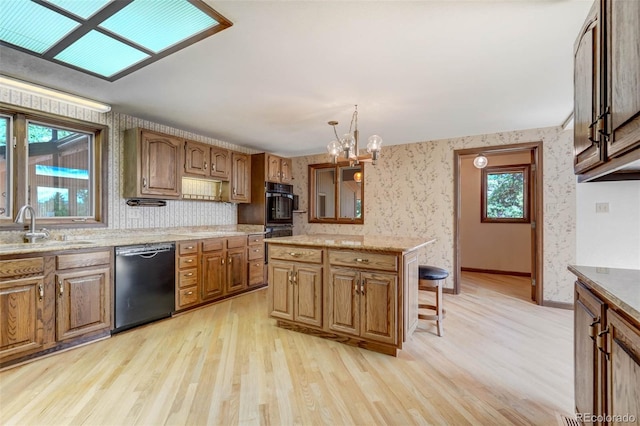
{"points": [[31, 236]]}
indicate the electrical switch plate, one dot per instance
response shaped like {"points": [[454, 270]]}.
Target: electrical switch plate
{"points": [[602, 207]]}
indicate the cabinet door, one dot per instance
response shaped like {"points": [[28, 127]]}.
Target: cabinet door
{"points": [[83, 302], [344, 301], [220, 163], [285, 170], [378, 305], [587, 94], [240, 178], [588, 317], [307, 295], [280, 298], [236, 270], [273, 168], [196, 158], [214, 274], [21, 326], [161, 163], [623, 75], [623, 372]]}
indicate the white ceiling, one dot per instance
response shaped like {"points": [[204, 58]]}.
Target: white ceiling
{"points": [[418, 70]]}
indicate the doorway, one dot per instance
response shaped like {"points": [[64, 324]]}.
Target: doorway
{"points": [[534, 178]]}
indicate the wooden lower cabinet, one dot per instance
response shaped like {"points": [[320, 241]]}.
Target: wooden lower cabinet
{"points": [[21, 325], [83, 304], [363, 304], [49, 302], [213, 274], [607, 362], [296, 292]]}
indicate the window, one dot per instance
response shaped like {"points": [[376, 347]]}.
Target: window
{"points": [[505, 194], [53, 164], [336, 193]]}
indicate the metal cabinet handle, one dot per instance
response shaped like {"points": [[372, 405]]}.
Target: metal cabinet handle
{"points": [[189, 293], [359, 260], [60, 287], [256, 250], [294, 254], [257, 264], [205, 165], [600, 342], [190, 274], [355, 287], [144, 182], [289, 277], [592, 328], [189, 247], [189, 260], [41, 291], [213, 167], [223, 261]]}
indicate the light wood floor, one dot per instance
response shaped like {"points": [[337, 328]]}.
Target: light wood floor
{"points": [[502, 360]]}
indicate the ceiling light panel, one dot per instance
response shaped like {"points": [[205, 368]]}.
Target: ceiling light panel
{"points": [[106, 38], [82, 8], [101, 54], [31, 26], [157, 25]]}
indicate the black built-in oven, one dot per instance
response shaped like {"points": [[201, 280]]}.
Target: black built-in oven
{"points": [[278, 204]]}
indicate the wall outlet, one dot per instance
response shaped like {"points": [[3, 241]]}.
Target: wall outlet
{"points": [[602, 207]]}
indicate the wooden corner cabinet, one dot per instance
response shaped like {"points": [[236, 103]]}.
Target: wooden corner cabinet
{"points": [[153, 165], [607, 360], [53, 301], [607, 93]]}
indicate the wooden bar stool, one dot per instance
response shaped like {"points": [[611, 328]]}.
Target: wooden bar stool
{"points": [[430, 277]]}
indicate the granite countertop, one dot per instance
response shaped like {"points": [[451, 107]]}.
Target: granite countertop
{"points": [[117, 238], [620, 286], [364, 242]]}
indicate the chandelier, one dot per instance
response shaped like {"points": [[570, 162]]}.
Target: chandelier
{"points": [[348, 144]]}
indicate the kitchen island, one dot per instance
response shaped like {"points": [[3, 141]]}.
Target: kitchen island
{"points": [[358, 290]]}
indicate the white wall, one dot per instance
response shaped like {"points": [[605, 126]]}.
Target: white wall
{"points": [[608, 239]]}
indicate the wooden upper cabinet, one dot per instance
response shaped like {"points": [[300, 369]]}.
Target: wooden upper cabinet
{"points": [[240, 178], [623, 76], [206, 161], [153, 165], [220, 163], [278, 169], [587, 153], [196, 158]]}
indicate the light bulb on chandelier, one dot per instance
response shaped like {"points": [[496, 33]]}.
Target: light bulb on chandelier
{"points": [[348, 144]]}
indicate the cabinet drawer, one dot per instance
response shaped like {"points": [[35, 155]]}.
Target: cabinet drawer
{"points": [[80, 260], [188, 277], [255, 252], [255, 239], [187, 261], [190, 247], [236, 242], [364, 260], [213, 245], [301, 254], [20, 267], [256, 272], [187, 296]]}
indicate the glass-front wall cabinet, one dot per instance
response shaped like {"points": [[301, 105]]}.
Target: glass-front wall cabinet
{"points": [[336, 193]]}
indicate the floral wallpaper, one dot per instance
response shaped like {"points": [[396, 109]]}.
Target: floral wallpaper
{"points": [[410, 192]]}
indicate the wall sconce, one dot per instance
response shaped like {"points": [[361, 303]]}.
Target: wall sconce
{"points": [[51, 94]]}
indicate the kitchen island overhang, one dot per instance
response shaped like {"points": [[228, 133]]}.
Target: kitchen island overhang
{"points": [[355, 289]]}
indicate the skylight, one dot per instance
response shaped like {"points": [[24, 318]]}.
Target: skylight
{"points": [[106, 38]]}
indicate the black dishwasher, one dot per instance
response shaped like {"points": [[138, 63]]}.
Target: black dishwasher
{"points": [[144, 284]]}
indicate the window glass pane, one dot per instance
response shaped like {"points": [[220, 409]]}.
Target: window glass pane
{"points": [[505, 195], [5, 161], [60, 171]]}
